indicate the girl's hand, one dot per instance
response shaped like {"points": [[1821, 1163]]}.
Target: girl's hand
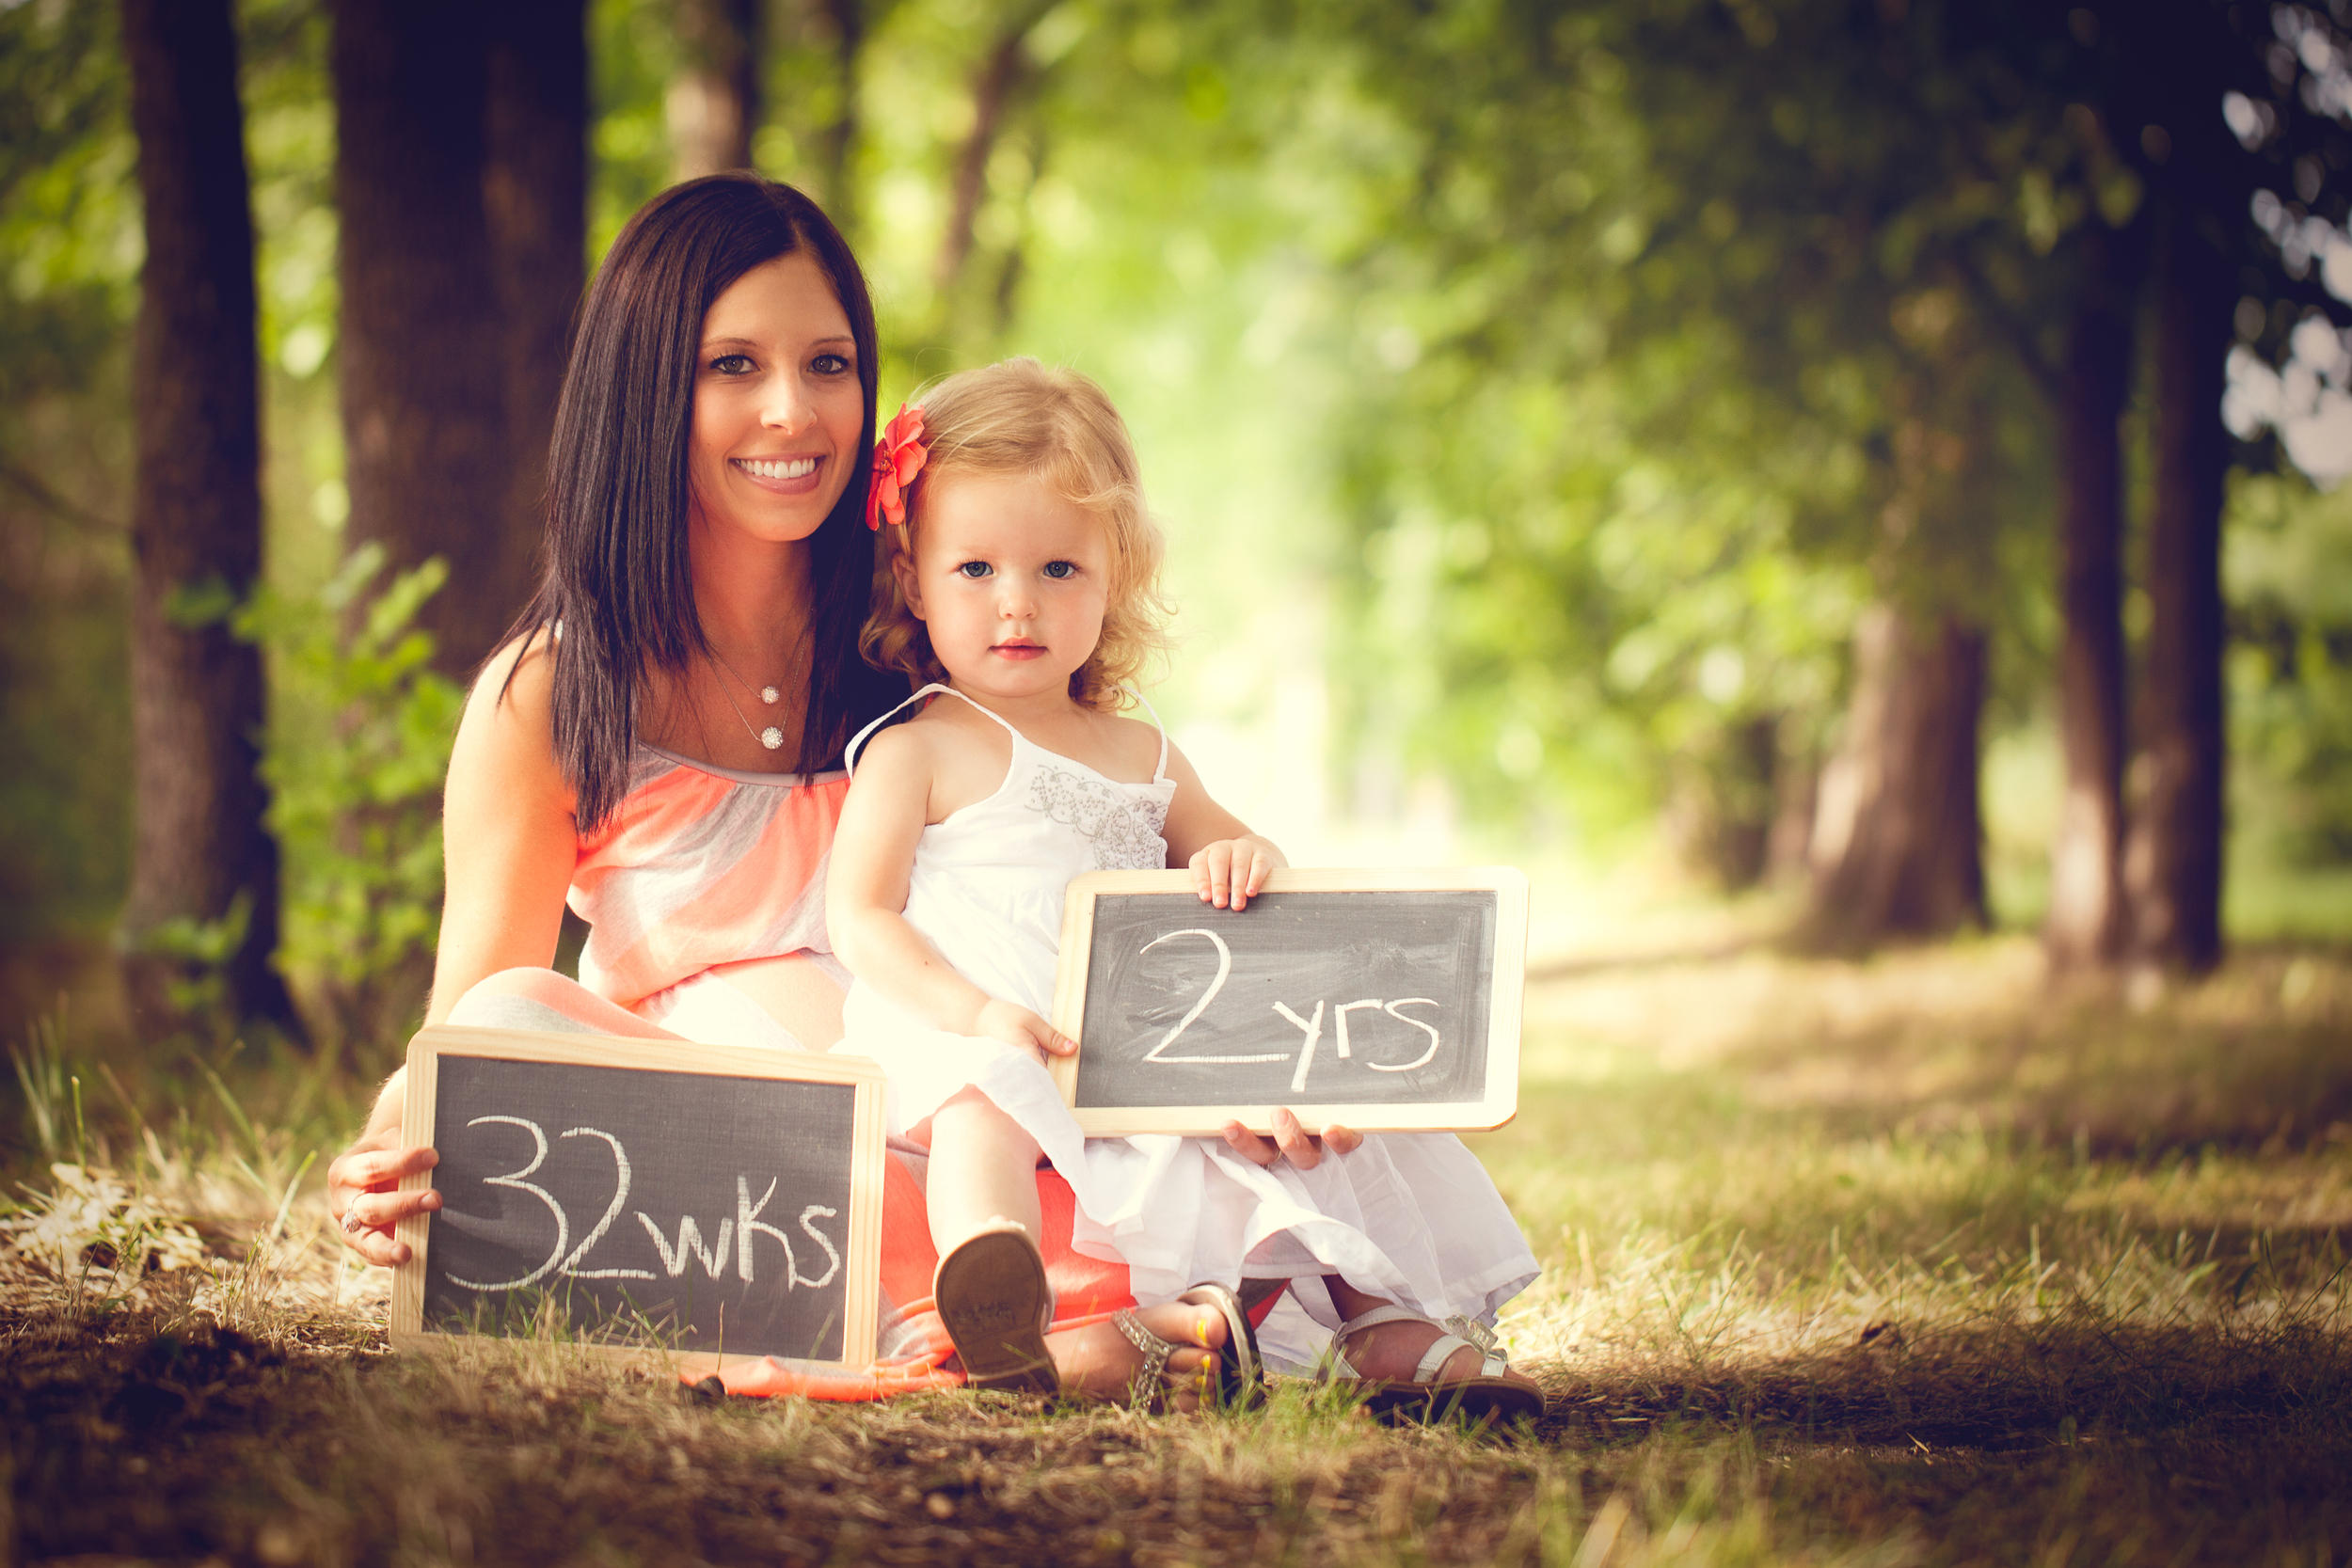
{"points": [[1291, 1142], [1021, 1028], [1230, 872]]}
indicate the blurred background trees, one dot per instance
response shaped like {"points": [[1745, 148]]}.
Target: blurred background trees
{"points": [[1881, 452]]}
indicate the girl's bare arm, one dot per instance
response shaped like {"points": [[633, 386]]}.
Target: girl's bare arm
{"points": [[866, 898]]}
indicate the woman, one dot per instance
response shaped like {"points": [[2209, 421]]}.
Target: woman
{"points": [[708, 571]]}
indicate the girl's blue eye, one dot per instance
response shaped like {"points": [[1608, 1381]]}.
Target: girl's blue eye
{"points": [[831, 364], [732, 364], [975, 569], [1059, 569]]}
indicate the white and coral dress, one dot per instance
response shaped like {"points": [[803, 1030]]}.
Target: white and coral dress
{"points": [[1411, 1216]]}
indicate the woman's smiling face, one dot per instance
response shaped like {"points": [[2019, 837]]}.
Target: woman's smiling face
{"points": [[778, 411]]}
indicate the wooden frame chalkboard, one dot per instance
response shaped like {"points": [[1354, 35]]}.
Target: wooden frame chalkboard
{"points": [[1380, 999], [669, 1150]]}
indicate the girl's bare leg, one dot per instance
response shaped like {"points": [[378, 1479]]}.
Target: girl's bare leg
{"points": [[983, 1169]]}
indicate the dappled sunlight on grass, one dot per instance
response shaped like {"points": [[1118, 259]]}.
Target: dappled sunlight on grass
{"points": [[1756, 1159], [1915, 1260]]}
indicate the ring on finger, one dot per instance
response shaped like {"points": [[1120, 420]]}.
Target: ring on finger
{"points": [[353, 1224]]}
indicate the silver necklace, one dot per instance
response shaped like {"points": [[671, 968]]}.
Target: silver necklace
{"points": [[771, 736], [768, 694]]}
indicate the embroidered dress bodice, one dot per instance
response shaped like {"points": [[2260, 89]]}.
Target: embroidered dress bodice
{"points": [[985, 886], [701, 865]]}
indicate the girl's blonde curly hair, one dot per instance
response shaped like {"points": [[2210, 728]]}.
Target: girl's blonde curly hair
{"points": [[1020, 417]]}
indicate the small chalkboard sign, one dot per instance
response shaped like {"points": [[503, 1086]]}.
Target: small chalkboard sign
{"points": [[1378, 999], [642, 1196]]}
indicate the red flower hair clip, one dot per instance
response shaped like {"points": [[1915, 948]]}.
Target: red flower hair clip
{"points": [[897, 458]]}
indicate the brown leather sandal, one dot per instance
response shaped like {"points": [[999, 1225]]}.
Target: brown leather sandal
{"points": [[995, 1302], [1487, 1397]]}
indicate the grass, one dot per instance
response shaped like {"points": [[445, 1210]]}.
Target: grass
{"points": [[1918, 1260]]}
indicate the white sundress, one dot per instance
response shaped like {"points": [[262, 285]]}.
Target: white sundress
{"points": [[1411, 1216]]}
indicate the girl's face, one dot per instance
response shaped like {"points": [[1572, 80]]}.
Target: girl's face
{"points": [[778, 411], [1010, 579]]}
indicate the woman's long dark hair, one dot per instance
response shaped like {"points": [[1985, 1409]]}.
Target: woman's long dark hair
{"points": [[617, 580]]}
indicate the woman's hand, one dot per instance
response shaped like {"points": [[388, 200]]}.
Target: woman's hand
{"points": [[1291, 1142], [1022, 1029], [1230, 871], [360, 1196], [361, 1181]]}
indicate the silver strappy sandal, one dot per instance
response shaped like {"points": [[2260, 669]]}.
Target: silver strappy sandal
{"points": [[1149, 1387], [1240, 1378], [1488, 1396]]}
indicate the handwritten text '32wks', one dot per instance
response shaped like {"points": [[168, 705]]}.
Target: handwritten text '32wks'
{"points": [[737, 1232]]}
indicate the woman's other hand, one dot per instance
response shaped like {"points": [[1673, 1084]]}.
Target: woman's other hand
{"points": [[1231, 871], [1291, 1142], [1022, 1029], [361, 1181]]}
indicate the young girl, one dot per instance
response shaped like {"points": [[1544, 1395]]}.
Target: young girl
{"points": [[1023, 589]]}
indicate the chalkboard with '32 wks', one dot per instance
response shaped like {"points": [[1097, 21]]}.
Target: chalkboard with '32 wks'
{"points": [[1384, 1000], [636, 1195]]}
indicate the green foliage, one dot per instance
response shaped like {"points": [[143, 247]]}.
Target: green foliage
{"points": [[70, 250], [289, 140], [2289, 573], [632, 49], [1532, 394], [355, 790], [203, 948], [1639, 430]]}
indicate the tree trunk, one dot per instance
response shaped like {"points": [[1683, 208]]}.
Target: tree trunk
{"points": [[535, 198], [992, 89], [1796, 802], [2173, 862], [838, 141], [1897, 848], [429, 461], [1721, 814], [2085, 927], [713, 106], [200, 852]]}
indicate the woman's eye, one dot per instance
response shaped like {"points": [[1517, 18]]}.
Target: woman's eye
{"points": [[1059, 569], [973, 569], [831, 364], [732, 364]]}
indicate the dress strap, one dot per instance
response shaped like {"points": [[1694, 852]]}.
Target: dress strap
{"points": [[1159, 772], [849, 756], [848, 752]]}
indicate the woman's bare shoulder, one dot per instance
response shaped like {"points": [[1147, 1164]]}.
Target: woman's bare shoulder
{"points": [[521, 672], [508, 731]]}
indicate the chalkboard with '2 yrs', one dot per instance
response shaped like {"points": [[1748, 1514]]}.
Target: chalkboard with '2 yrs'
{"points": [[1378, 999], [706, 1200]]}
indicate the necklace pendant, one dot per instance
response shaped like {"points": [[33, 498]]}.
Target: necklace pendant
{"points": [[772, 737], [769, 695]]}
